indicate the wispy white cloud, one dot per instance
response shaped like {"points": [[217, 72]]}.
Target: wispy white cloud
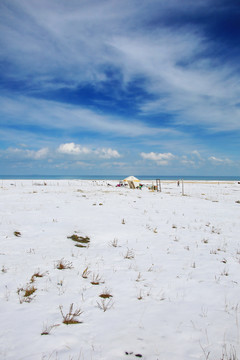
{"points": [[192, 159], [54, 115], [108, 153], [197, 154], [220, 161], [187, 162], [26, 153], [115, 165], [83, 164], [198, 93], [65, 39]]}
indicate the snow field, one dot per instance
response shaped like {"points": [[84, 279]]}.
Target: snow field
{"points": [[170, 262]]}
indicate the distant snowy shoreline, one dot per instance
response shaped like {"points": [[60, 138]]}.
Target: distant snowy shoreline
{"points": [[119, 177], [207, 181]]}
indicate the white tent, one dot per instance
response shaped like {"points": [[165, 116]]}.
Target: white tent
{"points": [[132, 178]]}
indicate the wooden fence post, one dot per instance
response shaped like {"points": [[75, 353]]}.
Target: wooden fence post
{"points": [[158, 183], [182, 188]]}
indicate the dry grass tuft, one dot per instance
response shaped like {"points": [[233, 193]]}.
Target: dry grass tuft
{"points": [[81, 241], [225, 272], [140, 297], [36, 275], [139, 277], [25, 295], [17, 233], [29, 291], [63, 264], [4, 270], [80, 246], [129, 255], [213, 251], [105, 294], [96, 279], [70, 317]]}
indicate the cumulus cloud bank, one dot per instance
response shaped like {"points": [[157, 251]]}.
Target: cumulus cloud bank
{"points": [[160, 158], [76, 149], [73, 149], [108, 153]]}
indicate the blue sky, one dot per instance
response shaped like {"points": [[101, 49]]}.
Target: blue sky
{"points": [[118, 87]]}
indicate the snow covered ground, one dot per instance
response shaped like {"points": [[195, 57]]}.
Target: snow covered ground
{"points": [[170, 265]]}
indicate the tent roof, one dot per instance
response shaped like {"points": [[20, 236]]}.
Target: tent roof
{"points": [[131, 178]]}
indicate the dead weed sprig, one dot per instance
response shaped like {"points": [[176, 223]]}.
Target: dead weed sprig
{"points": [[129, 255], [213, 251], [225, 272], [114, 242], [105, 305], [229, 355], [85, 273], [139, 277], [48, 328]]}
